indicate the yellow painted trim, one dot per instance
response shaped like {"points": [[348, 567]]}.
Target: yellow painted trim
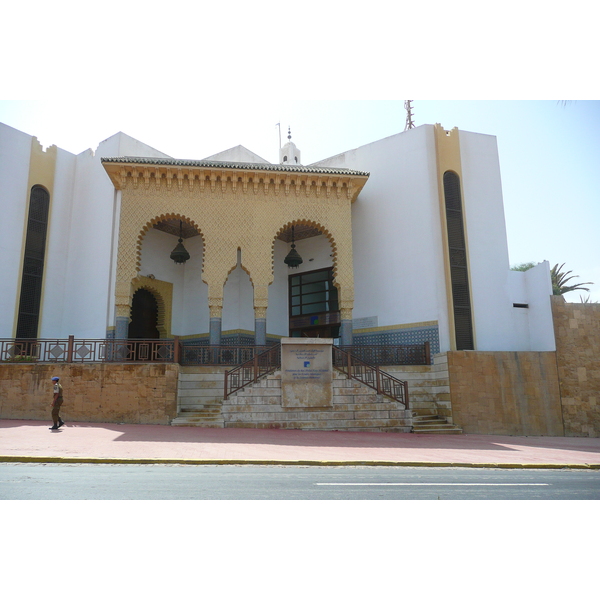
{"points": [[447, 150], [232, 331], [42, 169], [194, 336], [395, 327], [228, 332]]}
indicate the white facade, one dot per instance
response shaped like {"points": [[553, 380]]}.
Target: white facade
{"points": [[400, 282], [398, 244]]}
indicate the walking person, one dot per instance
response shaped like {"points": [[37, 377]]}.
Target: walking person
{"points": [[57, 401]]}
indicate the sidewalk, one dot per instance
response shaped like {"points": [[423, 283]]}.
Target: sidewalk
{"points": [[32, 441]]}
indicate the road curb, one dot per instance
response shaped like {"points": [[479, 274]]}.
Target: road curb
{"points": [[309, 463]]}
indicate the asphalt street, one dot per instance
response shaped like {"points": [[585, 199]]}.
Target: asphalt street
{"points": [[53, 481]]}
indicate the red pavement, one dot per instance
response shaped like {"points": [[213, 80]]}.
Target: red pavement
{"points": [[22, 440]]}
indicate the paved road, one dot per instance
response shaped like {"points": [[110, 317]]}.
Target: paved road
{"points": [[52, 481]]}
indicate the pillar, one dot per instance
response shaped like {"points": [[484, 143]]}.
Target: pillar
{"points": [[118, 351], [260, 326], [123, 296], [121, 328], [346, 327], [216, 313]]}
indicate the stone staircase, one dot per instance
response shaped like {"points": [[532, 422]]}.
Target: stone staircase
{"points": [[433, 423], [200, 397], [429, 394], [354, 407]]}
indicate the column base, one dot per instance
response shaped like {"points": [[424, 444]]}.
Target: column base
{"points": [[260, 332], [346, 332], [215, 331]]}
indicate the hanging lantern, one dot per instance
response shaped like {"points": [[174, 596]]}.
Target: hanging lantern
{"points": [[180, 255], [293, 259]]}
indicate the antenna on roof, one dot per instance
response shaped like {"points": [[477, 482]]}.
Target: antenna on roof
{"points": [[409, 116]]}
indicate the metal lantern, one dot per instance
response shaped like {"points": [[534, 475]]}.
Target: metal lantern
{"points": [[293, 259], [180, 255]]}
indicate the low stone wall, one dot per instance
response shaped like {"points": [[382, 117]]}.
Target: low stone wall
{"points": [[354, 407], [505, 393], [577, 332], [101, 392]]}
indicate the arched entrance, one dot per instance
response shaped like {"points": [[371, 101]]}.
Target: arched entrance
{"points": [[312, 307], [144, 316]]}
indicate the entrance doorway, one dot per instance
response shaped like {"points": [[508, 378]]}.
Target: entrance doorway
{"points": [[313, 307], [144, 316]]}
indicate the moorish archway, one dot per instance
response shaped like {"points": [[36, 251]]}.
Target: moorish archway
{"points": [[238, 206]]}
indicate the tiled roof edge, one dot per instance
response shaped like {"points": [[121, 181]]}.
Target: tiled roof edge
{"points": [[232, 165]]}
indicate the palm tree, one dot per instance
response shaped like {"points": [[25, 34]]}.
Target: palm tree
{"points": [[523, 266], [560, 279]]}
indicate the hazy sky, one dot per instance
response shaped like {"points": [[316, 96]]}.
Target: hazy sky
{"points": [[197, 78], [549, 150]]}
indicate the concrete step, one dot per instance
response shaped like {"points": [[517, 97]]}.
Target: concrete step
{"points": [[433, 423], [449, 431], [199, 418], [214, 409]]}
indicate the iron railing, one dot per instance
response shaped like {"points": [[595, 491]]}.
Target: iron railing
{"points": [[371, 376], [173, 350], [88, 351], [406, 354], [192, 354], [252, 370]]}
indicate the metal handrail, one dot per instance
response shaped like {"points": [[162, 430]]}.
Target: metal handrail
{"points": [[252, 370], [371, 376]]}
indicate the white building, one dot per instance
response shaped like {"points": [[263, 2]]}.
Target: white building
{"points": [[402, 241]]}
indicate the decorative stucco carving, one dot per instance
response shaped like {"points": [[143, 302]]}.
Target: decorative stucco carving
{"points": [[229, 213]]}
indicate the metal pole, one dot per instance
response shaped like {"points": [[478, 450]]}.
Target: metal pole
{"points": [[70, 348], [176, 349]]}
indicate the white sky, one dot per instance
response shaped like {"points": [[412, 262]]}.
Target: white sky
{"points": [[196, 79]]}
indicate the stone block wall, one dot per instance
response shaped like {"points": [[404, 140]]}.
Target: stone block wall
{"points": [[355, 407], [577, 332], [505, 393], [101, 392]]}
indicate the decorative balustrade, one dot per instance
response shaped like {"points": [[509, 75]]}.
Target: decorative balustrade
{"points": [[115, 350], [87, 351]]}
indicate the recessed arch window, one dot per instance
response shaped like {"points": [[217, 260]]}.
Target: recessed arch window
{"points": [[33, 263], [459, 273]]}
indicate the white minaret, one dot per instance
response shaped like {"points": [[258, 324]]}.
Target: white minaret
{"points": [[289, 154]]}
